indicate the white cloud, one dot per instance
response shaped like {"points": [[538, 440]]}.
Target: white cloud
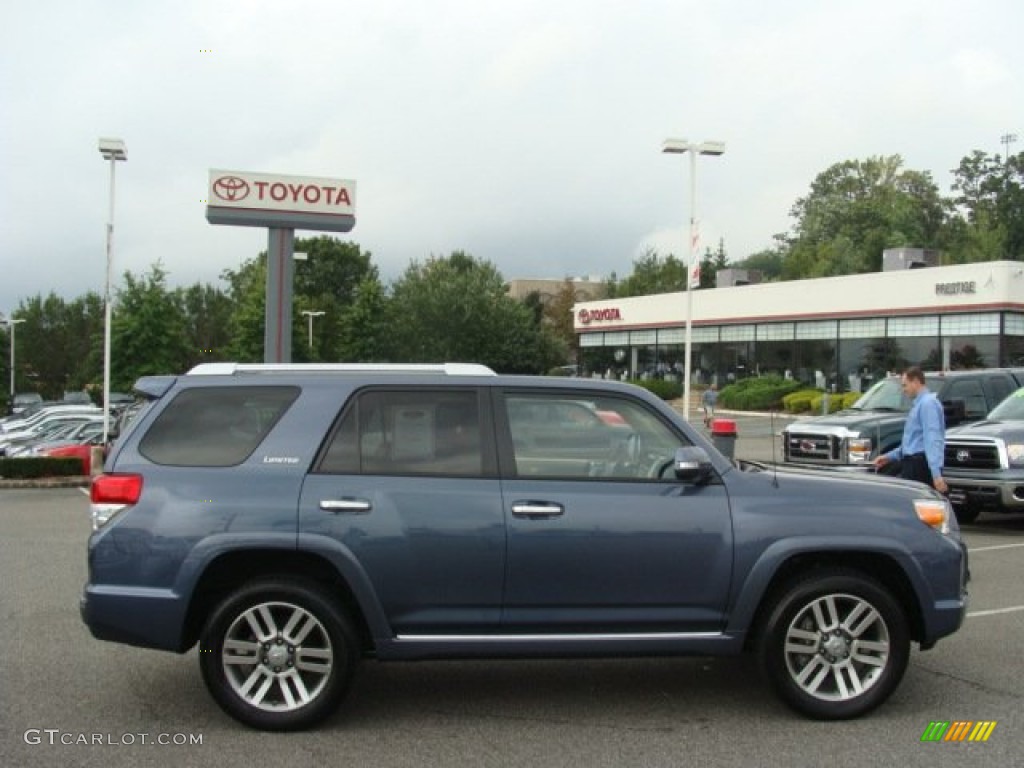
{"points": [[980, 69], [527, 133]]}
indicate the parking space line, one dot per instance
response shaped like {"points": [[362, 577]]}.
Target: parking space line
{"points": [[1012, 609], [995, 547]]}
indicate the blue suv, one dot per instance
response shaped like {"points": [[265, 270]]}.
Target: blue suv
{"points": [[291, 520]]}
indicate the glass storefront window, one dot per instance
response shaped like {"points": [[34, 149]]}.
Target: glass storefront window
{"points": [[815, 363], [862, 362]]}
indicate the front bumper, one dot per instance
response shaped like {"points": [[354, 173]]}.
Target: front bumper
{"points": [[1005, 492]]}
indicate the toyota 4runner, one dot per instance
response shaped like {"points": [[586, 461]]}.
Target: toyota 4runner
{"points": [[291, 520]]}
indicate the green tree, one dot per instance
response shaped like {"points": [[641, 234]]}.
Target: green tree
{"points": [[711, 263], [247, 290], [59, 346], [326, 281], [534, 301], [858, 208], [990, 201], [208, 311], [149, 332], [363, 332], [456, 309], [558, 317], [768, 262], [651, 274]]}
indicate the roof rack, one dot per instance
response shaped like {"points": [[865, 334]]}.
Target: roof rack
{"points": [[448, 369]]}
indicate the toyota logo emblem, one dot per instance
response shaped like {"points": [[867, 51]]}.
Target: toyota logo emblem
{"points": [[963, 456], [584, 317], [231, 188]]}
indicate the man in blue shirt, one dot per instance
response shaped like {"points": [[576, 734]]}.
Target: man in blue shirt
{"points": [[924, 436]]}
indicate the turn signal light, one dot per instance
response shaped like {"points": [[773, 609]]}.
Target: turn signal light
{"points": [[933, 512]]}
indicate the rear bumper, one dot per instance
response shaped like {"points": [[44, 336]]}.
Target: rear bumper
{"points": [[149, 618]]}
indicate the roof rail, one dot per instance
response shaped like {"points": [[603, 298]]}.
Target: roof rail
{"points": [[448, 369]]}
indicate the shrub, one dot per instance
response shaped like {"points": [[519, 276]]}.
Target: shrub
{"points": [[40, 467], [563, 370], [835, 403], [799, 401], [849, 398], [762, 393], [666, 389]]}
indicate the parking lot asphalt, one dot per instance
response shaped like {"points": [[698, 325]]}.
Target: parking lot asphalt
{"points": [[112, 702]]}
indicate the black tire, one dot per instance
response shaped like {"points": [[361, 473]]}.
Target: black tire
{"points": [[966, 513], [298, 671], [828, 633]]}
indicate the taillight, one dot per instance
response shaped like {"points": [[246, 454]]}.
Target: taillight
{"points": [[110, 494]]}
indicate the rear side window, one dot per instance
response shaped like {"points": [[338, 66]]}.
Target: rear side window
{"points": [[409, 433], [215, 426]]}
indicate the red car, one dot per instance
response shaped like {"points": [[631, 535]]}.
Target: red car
{"points": [[81, 451]]}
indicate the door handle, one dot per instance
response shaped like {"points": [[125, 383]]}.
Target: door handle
{"points": [[536, 509], [348, 506]]}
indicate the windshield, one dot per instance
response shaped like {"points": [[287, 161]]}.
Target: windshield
{"points": [[887, 395], [1011, 409]]}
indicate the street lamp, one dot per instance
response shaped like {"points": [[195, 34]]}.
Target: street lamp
{"points": [[678, 147], [310, 313], [1006, 140], [10, 322], [112, 150]]}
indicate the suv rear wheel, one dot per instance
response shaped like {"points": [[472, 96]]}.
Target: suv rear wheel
{"points": [[278, 654], [836, 646]]}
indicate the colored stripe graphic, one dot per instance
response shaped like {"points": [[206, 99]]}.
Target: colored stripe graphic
{"points": [[959, 730], [983, 730], [935, 731]]}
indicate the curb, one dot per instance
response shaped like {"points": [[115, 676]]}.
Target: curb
{"points": [[72, 481]]}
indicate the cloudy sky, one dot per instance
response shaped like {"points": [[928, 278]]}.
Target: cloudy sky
{"points": [[527, 133]]}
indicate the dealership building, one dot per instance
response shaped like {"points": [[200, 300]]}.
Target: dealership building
{"points": [[837, 332]]}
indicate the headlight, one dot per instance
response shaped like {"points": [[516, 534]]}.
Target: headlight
{"points": [[858, 450], [934, 512], [1015, 453]]}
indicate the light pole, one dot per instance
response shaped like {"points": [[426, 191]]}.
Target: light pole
{"points": [[678, 147], [10, 322], [310, 313], [112, 150], [1006, 140]]}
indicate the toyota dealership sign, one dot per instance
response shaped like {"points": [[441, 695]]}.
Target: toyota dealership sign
{"points": [[266, 200]]}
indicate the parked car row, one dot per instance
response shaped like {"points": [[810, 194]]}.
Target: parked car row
{"points": [[984, 453], [53, 429]]}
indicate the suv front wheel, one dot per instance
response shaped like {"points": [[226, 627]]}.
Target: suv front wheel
{"points": [[278, 654], [836, 646]]}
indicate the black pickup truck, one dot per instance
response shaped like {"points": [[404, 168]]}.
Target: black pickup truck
{"points": [[853, 437]]}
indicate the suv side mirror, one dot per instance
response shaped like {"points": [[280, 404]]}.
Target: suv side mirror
{"points": [[692, 465]]}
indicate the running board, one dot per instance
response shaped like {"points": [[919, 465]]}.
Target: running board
{"points": [[558, 645]]}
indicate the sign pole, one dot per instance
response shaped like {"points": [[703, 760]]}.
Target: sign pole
{"points": [[277, 334]]}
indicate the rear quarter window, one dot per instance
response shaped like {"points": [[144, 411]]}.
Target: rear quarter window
{"points": [[215, 426]]}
